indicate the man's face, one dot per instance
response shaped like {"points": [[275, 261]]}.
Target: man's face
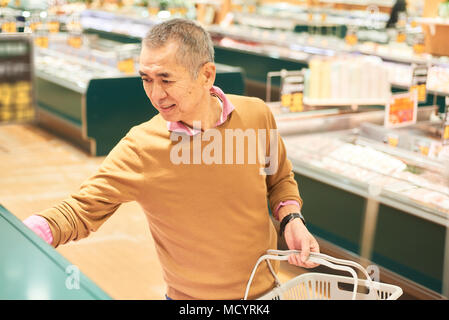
{"points": [[169, 85]]}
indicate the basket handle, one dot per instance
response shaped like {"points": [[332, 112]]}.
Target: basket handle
{"points": [[331, 262], [323, 256]]}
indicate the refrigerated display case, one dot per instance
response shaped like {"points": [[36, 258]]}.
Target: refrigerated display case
{"points": [[386, 190]]}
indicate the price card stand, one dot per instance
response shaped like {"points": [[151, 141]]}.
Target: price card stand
{"points": [[445, 131], [292, 89], [419, 81], [17, 103]]}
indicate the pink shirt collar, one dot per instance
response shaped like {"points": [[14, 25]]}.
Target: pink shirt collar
{"points": [[227, 108]]}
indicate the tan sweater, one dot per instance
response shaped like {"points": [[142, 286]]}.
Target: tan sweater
{"points": [[210, 222]]}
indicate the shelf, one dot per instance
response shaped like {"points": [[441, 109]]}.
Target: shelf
{"points": [[344, 102]]}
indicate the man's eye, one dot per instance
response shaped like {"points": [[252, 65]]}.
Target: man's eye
{"points": [[145, 80], [167, 81]]}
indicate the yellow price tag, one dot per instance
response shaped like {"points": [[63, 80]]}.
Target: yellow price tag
{"points": [[297, 102], [393, 141], [22, 93], [351, 39], [419, 48], [401, 37], [75, 41], [5, 94], [126, 66], [446, 132], [35, 26], [53, 26], [153, 11], [422, 92], [41, 41], [424, 150], [9, 27], [286, 100]]}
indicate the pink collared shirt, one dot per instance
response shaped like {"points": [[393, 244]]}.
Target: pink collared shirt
{"points": [[40, 225], [226, 108]]}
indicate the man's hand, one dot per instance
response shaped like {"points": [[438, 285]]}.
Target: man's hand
{"points": [[298, 237]]}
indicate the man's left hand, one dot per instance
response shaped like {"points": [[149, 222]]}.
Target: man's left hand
{"points": [[298, 237]]}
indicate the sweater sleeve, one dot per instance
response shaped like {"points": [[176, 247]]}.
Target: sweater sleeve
{"points": [[118, 180], [281, 184]]}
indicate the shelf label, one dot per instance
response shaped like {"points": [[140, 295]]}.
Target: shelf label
{"points": [[34, 26], [292, 91], [392, 139], [401, 110], [445, 132], [75, 41], [53, 26], [16, 90], [9, 27], [419, 81], [126, 66]]}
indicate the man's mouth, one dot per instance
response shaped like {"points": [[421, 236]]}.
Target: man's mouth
{"points": [[168, 108]]}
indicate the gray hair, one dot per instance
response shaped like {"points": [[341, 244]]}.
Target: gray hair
{"points": [[195, 45]]}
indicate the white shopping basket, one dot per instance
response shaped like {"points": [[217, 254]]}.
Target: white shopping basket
{"points": [[320, 286]]}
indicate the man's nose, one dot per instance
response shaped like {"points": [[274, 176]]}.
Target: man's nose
{"points": [[157, 93]]}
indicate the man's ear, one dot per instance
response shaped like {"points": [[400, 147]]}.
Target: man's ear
{"points": [[208, 73]]}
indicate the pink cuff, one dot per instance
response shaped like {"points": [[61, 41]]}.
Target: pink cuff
{"points": [[40, 226], [284, 203]]}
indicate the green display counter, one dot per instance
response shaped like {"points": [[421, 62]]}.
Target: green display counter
{"points": [[30, 269], [406, 244]]}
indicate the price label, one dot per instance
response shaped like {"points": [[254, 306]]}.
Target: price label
{"points": [[53, 26], [419, 48], [392, 140], [401, 37], [153, 11], [16, 91], [292, 91], [424, 147], [445, 132], [34, 26], [126, 66], [41, 41], [401, 110], [75, 41], [351, 39], [419, 81], [9, 27]]}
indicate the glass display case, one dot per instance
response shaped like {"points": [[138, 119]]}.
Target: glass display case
{"points": [[385, 183]]}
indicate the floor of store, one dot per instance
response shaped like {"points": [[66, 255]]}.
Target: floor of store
{"points": [[38, 170]]}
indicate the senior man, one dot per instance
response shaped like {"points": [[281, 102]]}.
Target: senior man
{"points": [[208, 216]]}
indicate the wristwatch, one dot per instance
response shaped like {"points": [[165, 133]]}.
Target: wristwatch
{"points": [[289, 218]]}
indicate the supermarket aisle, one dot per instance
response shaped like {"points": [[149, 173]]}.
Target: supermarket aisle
{"points": [[37, 170]]}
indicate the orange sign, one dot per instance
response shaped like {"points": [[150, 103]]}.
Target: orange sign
{"points": [[402, 110]]}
